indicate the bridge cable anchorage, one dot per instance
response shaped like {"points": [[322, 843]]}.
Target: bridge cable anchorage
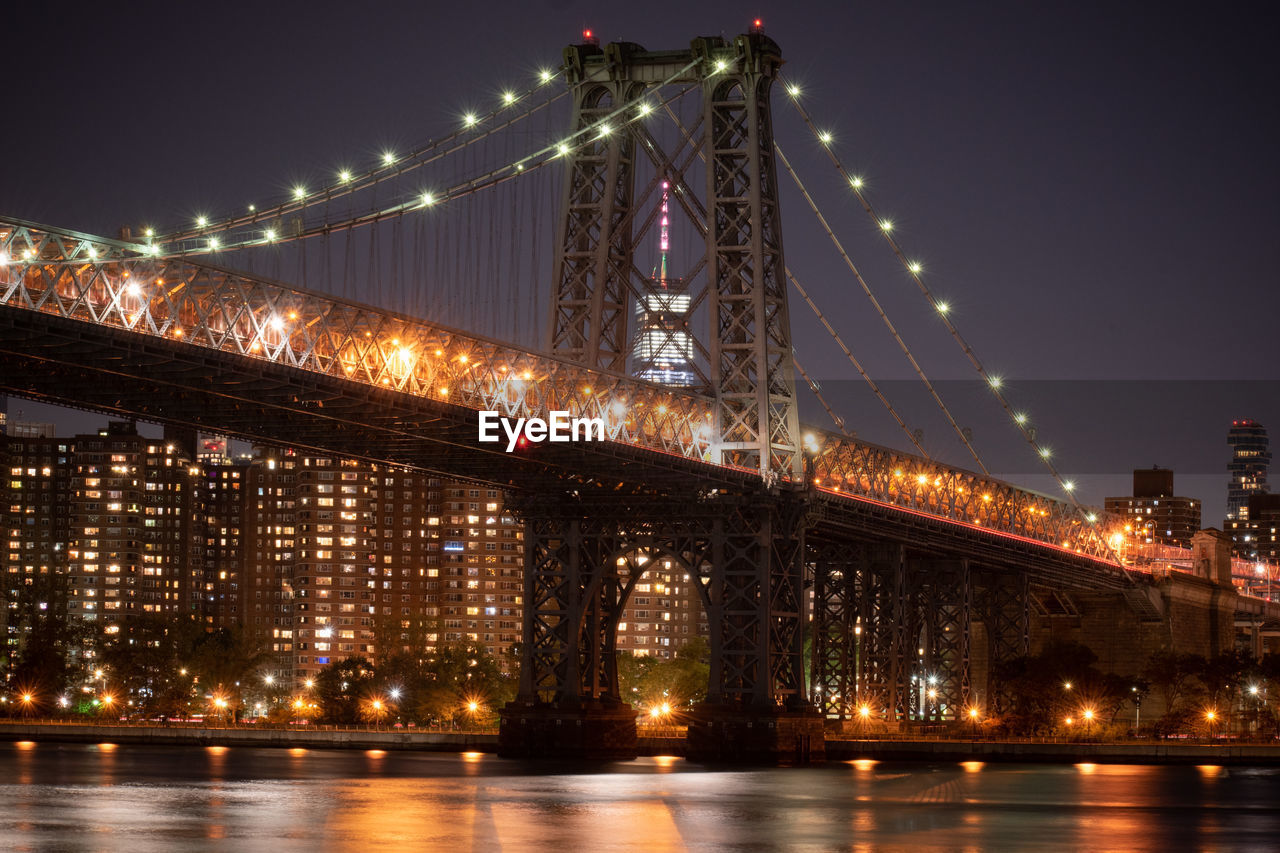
{"points": [[813, 306], [913, 269], [493, 177], [875, 303], [817, 392], [391, 166]]}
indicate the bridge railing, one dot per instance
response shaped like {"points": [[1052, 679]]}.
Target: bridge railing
{"points": [[127, 286]]}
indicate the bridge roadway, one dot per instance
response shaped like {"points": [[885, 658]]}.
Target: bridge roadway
{"points": [[95, 323]]}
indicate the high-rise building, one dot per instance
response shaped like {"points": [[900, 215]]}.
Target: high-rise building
{"points": [[37, 531], [1250, 457], [1157, 515], [1254, 536], [345, 558], [662, 613], [663, 349], [135, 532]]}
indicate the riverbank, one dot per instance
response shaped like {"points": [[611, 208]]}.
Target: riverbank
{"points": [[897, 749], [1059, 752]]}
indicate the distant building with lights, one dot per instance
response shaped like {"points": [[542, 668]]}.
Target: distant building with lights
{"points": [[663, 349], [1157, 515], [1254, 536], [1250, 458]]}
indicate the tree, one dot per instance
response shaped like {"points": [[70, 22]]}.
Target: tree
{"points": [[341, 688], [1173, 676]]}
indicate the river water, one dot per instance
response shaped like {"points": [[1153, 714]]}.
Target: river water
{"points": [[104, 797]]}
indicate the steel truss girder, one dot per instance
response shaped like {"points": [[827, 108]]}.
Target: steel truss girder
{"points": [[117, 287], [582, 561], [889, 626]]}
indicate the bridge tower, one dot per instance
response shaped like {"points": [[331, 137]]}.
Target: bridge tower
{"points": [[747, 346], [744, 552]]}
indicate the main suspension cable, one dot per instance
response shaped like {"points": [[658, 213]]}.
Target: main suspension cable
{"points": [[914, 270], [875, 303]]}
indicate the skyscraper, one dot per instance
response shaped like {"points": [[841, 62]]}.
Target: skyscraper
{"points": [[1250, 457], [663, 350]]}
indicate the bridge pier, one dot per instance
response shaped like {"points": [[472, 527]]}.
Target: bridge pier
{"points": [[583, 557], [595, 731]]}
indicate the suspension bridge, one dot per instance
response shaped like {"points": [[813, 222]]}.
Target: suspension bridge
{"points": [[899, 564]]}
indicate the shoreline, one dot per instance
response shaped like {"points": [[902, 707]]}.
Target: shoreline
{"points": [[837, 749]]}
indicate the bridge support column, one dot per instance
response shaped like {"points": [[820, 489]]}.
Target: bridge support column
{"points": [[756, 709], [568, 705], [1004, 605]]}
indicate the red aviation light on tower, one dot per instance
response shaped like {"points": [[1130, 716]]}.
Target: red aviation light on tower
{"points": [[589, 36], [757, 25]]}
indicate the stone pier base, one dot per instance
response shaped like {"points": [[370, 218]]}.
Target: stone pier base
{"points": [[734, 735], [535, 730]]}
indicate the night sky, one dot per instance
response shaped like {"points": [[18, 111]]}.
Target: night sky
{"points": [[1092, 187]]}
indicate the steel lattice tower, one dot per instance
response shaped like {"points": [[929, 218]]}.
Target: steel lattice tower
{"points": [[748, 344]]}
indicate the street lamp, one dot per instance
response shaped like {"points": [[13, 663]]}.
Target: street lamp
{"points": [[973, 719]]}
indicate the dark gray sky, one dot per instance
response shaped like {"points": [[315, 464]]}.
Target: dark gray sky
{"points": [[1092, 186]]}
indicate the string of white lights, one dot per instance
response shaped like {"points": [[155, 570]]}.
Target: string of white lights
{"points": [[817, 311], [884, 317], [632, 111], [915, 270], [389, 167]]}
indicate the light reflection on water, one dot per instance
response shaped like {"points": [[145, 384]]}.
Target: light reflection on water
{"points": [[143, 799]]}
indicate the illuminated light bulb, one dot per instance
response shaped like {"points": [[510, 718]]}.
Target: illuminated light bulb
{"points": [[93, 253], [214, 243], [462, 359], [253, 208], [27, 254], [915, 267], [428, 199], [721, 65], [469, 119], [444, 392], [943, 308], [644, 109], [545, 76], [1068, 486], [388, 158], [202, 221], [793, 90], [508, 98], [563, 148], [151, 232], [1045, 452], [856, 183], [299, 192], [177, 333], [277, 323], [519, 167], [887, 225], [994, 381], [344, 176], [605, 130], [271, 234], [1091, 518], [1020, 417], [826, 137]]}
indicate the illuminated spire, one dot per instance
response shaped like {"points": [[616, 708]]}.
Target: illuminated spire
{"points": [[664, 237]]}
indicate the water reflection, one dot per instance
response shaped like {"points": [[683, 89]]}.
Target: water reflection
{"points": [[144, 799]]}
